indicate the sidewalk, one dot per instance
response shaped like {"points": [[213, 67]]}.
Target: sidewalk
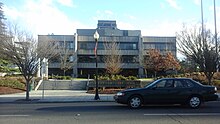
{"points": [[56, 96]]}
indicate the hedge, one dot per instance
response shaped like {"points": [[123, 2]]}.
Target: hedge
{"points": [[12, 83]]}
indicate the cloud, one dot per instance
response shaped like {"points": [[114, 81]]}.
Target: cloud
{"points": [[42, 17], [173, 4], [131, 17], [125, 25], [11, 12], [68, 3], [104, 15], [166, 28], [197, 2], [108, 12]]}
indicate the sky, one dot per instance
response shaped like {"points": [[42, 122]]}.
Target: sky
{"points": [[152, 17]]}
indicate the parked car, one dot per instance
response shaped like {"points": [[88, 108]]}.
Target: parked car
{"points": [[182, 91]]}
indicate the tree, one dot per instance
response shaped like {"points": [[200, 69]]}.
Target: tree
{"points": [[170, 63], [67, 57], [198, 46], [188, 66], [6, 66], [21, 49], [113, 59], [155, 61]]}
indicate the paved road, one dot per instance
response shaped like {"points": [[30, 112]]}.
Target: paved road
{"points": [[105, 113]]}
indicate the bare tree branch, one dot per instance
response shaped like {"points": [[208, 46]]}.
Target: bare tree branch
{"points": [[199, 49], [67, 57], [113, 61]]}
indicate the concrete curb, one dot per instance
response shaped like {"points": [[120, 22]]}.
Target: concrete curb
{"points": [[57, 96]]}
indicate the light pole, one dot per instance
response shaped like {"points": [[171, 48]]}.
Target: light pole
{"points": [[96, 37]]}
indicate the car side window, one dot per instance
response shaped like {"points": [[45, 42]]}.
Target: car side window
{"points": [[178, 84], [187, 83], [165, 84], [169, 84], [161, 84]]}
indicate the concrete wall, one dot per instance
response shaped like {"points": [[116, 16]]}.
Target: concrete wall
{"points": [[64, 85]]}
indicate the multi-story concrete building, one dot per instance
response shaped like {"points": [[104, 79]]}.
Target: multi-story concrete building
{"points": [[163, 44], [63, 41], [131, 44]]}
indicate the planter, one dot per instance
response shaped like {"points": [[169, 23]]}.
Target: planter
{"points": [[115, 84]]}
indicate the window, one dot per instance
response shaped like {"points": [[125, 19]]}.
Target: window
{"points": [[178, 84], [161, 84], [165, 84], [169, 84], [187, 83]]}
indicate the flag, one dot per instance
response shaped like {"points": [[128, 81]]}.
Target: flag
{"points": [[95, 50]]}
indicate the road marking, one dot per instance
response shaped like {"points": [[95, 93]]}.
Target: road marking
{"points": [[14, 115], [183, 114]]}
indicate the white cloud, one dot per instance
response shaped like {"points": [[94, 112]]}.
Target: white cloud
{"points": [[41, 17], [130, 17], [197, 2], [108, 12], [166, 28], [125, 25], [173, 4], [68, 3], [11, 12], [104, 15]]}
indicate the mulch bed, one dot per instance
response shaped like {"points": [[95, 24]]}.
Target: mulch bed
{"points": [[8, 90], [105, 91]]}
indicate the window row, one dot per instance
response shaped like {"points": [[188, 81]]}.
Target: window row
{"points": [[101, 46], [101, 59], [159, 46], [112, 38], [66, 44]]}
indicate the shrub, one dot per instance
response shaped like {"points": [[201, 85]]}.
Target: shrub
{"points": [[132, 78], [116, 77], [12, 83], [216, 76], [216, 83], [60, 77]]}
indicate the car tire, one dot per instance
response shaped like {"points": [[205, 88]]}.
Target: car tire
{"points": [[194, 102], [135, 101]]}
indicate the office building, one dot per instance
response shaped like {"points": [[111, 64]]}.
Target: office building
{"points": [[131, 43]]}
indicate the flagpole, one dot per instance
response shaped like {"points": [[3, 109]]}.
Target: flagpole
{"points": [[216, 42], [202, 22]]}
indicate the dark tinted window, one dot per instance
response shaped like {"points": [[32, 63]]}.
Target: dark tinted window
{"points": [[178, 84], [165, 84], [187, 83]]}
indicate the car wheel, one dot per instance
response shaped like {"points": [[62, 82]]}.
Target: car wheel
{"points": [[194, 102], [135, 101]]}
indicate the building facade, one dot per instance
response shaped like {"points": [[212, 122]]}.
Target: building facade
{"points": [[67, 42], [131, 43]]}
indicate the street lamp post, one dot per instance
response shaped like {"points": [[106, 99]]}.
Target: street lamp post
{"points": [[96, 37]]}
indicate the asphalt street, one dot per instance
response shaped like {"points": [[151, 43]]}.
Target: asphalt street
{"points": [[106, 113]]}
